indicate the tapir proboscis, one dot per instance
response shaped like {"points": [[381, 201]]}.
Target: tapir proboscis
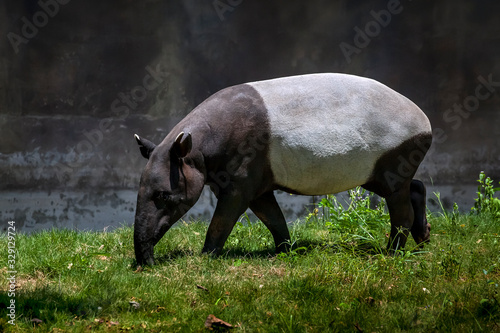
{"points": [[310, 134]]}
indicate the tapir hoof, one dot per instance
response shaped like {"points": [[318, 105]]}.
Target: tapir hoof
{"points": [[425, 239], [143, 260], [147, 262], [211, 251]]}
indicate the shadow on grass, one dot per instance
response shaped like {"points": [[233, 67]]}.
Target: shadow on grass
{"points": [[302, 247], [239, 251], [232, 252], [358, 248]]}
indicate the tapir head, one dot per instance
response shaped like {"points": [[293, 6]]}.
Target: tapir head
{"points": [[170, 185]]}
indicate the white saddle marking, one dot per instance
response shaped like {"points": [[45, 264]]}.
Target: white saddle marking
{"points": [[328, 130]]}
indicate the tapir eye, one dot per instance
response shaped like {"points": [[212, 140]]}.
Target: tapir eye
{"points": [[164, 199], [160, 199]]}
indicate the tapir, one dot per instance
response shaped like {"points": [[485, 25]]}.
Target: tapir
{"points": [[311, 134]]}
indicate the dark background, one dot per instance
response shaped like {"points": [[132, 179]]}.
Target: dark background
{"points": [[66, 128]]}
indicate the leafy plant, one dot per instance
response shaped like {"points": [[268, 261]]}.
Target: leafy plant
{"points": [[485, 201], [355, 220]]}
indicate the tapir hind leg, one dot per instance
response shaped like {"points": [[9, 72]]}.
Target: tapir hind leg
{"points": [[421, 229], [402, 216], [266, 208]]}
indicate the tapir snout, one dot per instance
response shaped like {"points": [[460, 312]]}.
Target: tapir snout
{"points": [[311, 134]]}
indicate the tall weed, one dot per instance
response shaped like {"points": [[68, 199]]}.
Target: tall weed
{"points": [[485, 201], [356, 220]]}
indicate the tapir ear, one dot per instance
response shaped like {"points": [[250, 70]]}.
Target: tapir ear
{"points": [[145, 146], [182, 144]]}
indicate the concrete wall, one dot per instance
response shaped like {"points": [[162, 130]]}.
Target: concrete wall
{"points": [[79, 78]]}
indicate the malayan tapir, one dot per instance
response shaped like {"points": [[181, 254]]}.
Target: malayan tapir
{"points": [[310, 134]]}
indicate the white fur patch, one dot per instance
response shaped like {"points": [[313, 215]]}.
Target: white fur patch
{"points": [[328, 130]]}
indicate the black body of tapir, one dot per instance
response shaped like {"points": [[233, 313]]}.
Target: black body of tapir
{"points": [[311, 134]]}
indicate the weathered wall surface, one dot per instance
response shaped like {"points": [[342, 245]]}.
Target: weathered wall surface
{"points": [[79, 78]]}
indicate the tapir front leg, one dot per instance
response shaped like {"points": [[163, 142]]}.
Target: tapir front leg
{"points": [[266, 208], [229, 208]]}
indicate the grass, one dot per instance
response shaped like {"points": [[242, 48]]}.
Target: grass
{"points": [[334, 281]]}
